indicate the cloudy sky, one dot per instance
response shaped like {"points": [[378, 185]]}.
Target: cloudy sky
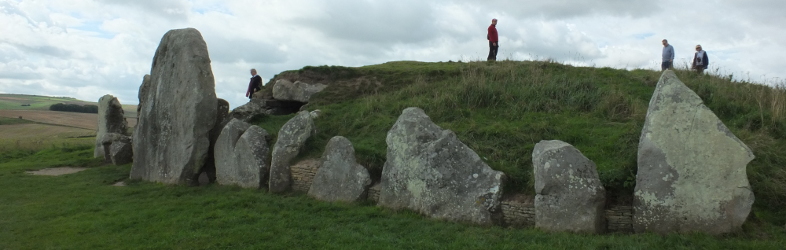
{"points": [[88, 48]]}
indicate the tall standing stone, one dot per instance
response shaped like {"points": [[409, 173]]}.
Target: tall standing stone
{"points": [[569, 195], [110, 120], [291, 138], [691, 175], [340, 178], [430, 171], [241, 154], [178, 110]]}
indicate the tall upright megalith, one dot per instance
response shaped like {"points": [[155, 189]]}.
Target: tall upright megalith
{"points": [[110, 120], [691, 168], [178, 110]]}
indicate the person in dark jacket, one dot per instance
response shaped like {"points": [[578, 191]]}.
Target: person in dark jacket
{"points": [[493, 38], [700, 60], [254, 85]]}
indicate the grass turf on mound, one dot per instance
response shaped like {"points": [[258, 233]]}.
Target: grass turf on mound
{"points": [[502, 109], [83, 211]]}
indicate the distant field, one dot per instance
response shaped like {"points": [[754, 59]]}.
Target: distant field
{"points": [[38, 136], [15, 102], [79, 120]]}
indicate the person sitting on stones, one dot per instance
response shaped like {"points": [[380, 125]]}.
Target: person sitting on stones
{"points": [[254, 85]]}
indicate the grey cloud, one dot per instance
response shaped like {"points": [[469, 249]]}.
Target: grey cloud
{"points": [[385, 22], [171, 9], [562, 9], [233, 50]]}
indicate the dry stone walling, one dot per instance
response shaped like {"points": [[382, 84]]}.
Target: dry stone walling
{"points": [[340, 178], [112, 126], [569, 194], [691, 168], [430, 171], [291, 138], [178, 110], [241, 155]]}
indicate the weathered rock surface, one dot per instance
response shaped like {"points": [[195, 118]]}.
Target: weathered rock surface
{"points": [[250, 110], [178, 110], [691, 168], [430, 171], [121, 152], [291, 138], [110, 120], [208, 172], [143, 89], [117, 148], [569, 194], [298, 91], [241, 155], [340, 178]]}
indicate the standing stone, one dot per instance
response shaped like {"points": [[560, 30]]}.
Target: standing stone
{"points": [[241, 155], [291, 138], [208, 172], [569, 194], [142, 93], [430, 171], [110, 120], [691, 175], [340, 178], [298, 91], [178, 110]]}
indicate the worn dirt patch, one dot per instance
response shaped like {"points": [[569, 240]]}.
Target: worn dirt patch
{"points": [[56, 171]]}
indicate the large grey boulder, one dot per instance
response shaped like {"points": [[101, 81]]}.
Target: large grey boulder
{"points": [[298, 91], [117, 148], [340, 178], [178, 110], [121, 152], [241, 154], [250, 110], [291, 138], [691, 168], [569, 195], [430, 171], [110, 120], [208, 172]]}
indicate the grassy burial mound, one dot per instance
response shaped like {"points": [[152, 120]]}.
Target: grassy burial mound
{"points": [[502, 110]]}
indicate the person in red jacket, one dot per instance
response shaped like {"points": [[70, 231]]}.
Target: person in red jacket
{"points": [[493, 38], [254, 85]]}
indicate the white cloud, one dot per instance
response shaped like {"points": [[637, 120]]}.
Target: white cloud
{"points": [[86, 49]]}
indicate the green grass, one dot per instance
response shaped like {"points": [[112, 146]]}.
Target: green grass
{"points": [[35, 102], [83, 211], [501, 110]]}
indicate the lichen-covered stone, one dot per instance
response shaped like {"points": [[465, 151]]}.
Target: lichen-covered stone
{"points": [[110, 120], [340, 178], [691, 168], [430, 171], [297, 91], [241, 155], [569, 194], [291, 138], [178, 110]]}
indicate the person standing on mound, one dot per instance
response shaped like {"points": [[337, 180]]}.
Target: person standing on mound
{"points": [[254, 85], [493, 38]]}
